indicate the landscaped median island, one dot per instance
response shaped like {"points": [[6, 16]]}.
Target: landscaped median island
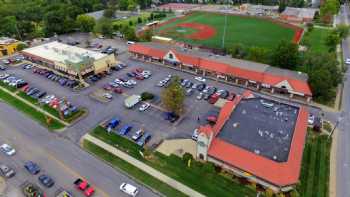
{"points": [[314, 175], [30, 111], [201, 177]]}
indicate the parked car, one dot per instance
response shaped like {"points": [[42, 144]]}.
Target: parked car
{"points": [[195, 135], [347, 61], [118, 90], [46, 180], [125, 130], [32, 190], [213, 98], [6, 171], [144, 107], [189, 92], [144, 139], [200, 96], [212, 119], [311, 119], [137, 134], [108, 96], [84, 186], [129, 189], [113, 123], [2, 67], [32, 167], [171, 116], [7, 149], [231, 96], [201, 79]]}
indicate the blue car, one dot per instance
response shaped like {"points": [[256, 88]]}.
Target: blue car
{"points": [[125, 130], [32, 167], [113, 123], [144, 139]]}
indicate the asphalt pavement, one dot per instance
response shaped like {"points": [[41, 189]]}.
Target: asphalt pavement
{"points": [[57, 156], [343, 149]]}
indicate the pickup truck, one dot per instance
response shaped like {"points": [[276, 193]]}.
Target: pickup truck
{"points": [[32, 190], [84, 186]]}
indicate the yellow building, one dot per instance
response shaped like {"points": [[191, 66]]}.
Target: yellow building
{"points": [[8, 46], [70, 60]]}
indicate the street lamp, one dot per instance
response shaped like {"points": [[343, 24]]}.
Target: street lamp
{"points": [[340, 118]]}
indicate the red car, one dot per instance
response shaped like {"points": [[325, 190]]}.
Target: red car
{"points": [[107, 87], [118, 90], [213, 98], [84, 186], [212, 119], [231, 96], [139, 70], [139, 77]]}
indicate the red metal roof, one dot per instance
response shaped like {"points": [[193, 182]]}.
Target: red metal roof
{"points": [[281, 174], [222, 68]]}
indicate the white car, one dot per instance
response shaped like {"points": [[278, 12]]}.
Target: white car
{"points": [[108, 95], [201, 79], [195, 135], [7, 149], [129, 189], [347, 61], [311, 119], [144, 107], [4, 76]]}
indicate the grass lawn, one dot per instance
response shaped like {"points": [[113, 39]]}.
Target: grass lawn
{"points": [[143, 15], [28, 110], [317, 38], [132, 170], [247, 31], [211, 184], [9, 88], [28, 98], [314, 177]]}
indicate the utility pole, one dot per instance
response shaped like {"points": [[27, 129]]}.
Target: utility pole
{"points": [[335, 126]]}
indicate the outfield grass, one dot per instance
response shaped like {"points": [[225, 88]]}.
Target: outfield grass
{"points": [[316, 39], [314, 177], [248, 31], [28, 110], [132, 170], [210, 184]]}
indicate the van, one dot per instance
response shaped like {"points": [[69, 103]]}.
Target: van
{"points": [[129, 189], [130, 42]]}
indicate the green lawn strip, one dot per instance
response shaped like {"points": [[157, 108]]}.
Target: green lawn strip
{"points": [[314, 177], [70, 118], [120, 142], [248, 31], [132, 170], [28, 98], [317, 39], [10, 88], [214, 184], [29, 110]]}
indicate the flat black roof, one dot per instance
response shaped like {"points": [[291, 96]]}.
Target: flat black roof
{"points": [[262, 126]]}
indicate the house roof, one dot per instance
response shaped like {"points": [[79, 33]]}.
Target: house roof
{"points": [[223, 65], [277, 173]]}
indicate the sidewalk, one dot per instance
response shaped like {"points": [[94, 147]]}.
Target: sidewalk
{"points": [[149, 170], [35, 107]]}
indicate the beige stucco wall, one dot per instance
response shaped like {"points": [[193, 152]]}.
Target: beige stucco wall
{"points": [[102, 64]]}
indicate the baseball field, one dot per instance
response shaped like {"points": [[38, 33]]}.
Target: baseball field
{"points": [[219, 31]]}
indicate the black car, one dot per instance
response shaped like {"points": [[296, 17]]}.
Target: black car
{"points": [[32, 167], [46, 180], [2, 67], [224, 94], [200, 87]]}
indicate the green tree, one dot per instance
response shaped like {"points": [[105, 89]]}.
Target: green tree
{"points": [[98, 6], [328, 9], [86, 23], [123, 4], [332, 40], [131, 5], [147, 35], [108, 13], [8, 26], [342, 30], [21, 46], [104, 26], [285, 55], [139, 20], [173, 97], [258, 54]]}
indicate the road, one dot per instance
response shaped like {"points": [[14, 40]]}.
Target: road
{"points": [[343, 149], [58, 157]]}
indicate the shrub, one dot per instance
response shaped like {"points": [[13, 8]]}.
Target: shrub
{"points": [[147, 96], [139, 20], [208, 167], [186, 157]]}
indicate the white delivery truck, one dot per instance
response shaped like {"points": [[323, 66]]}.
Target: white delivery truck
{"points": [[132, 100]]}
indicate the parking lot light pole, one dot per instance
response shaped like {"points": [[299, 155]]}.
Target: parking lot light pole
{"points": [[335, 126]]}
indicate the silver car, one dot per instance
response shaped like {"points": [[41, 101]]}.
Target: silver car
{"points": [[6, 171]]}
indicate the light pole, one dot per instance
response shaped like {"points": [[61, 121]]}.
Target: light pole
{"points": [[336, 124]]}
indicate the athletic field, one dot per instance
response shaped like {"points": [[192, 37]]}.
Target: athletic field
{"points": [[208, 29]]}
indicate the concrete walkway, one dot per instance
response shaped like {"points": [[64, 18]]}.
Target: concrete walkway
{"points": [[34, 106], [142, 166]]}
